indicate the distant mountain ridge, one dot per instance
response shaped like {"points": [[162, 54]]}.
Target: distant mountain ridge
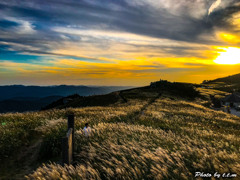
{"points": [[13, 91], [19, 98], [184, 90], [28, 104]]}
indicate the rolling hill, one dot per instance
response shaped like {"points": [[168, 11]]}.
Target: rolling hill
{"points": [[145, 133], [23, 104], [19, 98], [13, 91], [229, 84], [233, 79], [73, 101]]}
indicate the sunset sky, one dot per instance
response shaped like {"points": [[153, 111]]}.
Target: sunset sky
{"points": [[117, 42]]}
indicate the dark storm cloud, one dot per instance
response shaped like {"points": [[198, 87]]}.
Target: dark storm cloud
{"points": [[220, 18], [31, 23]]}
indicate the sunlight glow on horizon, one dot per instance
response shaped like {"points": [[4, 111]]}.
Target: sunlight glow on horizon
{"points": [[230, 55]]}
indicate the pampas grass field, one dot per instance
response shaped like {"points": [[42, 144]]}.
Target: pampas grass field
{"points": [[156, 137]]}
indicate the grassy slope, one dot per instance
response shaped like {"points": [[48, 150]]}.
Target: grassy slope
{"points": [[228, 80], [149, 136], [229, 84]]}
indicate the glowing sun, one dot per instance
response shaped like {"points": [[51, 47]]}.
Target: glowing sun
{"points": [[230, 55]]}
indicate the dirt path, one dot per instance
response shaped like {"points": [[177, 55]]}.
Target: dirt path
{"points": [[25, 160], [148, 104], [21, 163]]}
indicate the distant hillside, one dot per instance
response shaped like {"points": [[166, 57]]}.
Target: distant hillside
{"points": [[18, 98], [81, 101], [233, 79], [26, 104], [229, 84], [8, 92], [178, 89]]}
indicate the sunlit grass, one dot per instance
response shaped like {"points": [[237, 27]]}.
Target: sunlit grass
{"points": [[169, 139], [145, 138]]}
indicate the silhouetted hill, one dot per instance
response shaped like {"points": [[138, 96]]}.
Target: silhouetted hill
{"points": [[8, 92], [229, 84], [82, 101], [26, 104], [19, 98], [182, 90], [233, 79]]}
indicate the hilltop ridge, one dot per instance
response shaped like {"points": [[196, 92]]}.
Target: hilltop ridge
{"points": [[185, 90], [229, 83], [20, 98], [232, 79]]}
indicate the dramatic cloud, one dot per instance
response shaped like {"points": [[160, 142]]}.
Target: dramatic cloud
{"points": [[166, 35]]}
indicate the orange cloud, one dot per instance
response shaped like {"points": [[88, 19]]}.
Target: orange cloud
{"points": [[230, 38]]}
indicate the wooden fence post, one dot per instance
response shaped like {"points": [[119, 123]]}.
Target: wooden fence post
{"points": [[67, 148], [65, 151], [71, 125], [68, 142]]}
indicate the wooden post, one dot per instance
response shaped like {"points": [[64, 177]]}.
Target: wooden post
{"points": [[65, 151], [71, 125], [70, 121], [70, 145], [67, 148], [68, 142]]}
